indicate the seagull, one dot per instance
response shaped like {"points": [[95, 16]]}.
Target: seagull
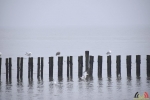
{"points": [[57, 53], [28, 54], [0, 54], [109, 52], [84, 75]]}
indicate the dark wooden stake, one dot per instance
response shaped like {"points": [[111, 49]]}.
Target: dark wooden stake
{"points": [[42, 64], [128, 66], [18, 67], [118, 66], [148, 65], [0, 67], [10, 65], [99, 66], [71, 67], [6, 68], [91, 66], [67, 66], [86, 60], [50, 68], [60, 67], [109, 66], [31, 67], [138, 62], [38, 68], [21, 69]]}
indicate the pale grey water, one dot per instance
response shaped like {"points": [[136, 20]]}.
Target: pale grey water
{"points": [[73, 42]]}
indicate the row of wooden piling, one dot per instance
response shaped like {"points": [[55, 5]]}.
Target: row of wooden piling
{"points": [[88, 66]]}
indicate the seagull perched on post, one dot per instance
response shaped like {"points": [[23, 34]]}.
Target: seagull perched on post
{"points": [[28, 54], [109, 52], [0, 54], [57, 53], [84, 75]]}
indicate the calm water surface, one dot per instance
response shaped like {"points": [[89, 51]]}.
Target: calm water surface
{"points": [[73, 42]]}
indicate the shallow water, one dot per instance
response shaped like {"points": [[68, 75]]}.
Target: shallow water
{"points": [[74, 42]]}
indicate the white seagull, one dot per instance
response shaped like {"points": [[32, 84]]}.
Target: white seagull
{"points": [[0, 54], [57, 53], [84, 75], [28, 54], [109, 52]]}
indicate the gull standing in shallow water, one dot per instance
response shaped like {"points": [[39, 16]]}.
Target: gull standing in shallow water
{"points": [[84, 75], [28, 54], [57, 53], [109, 52]]}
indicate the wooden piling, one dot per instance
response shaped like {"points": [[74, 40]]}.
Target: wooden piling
{"points": [[18, 65], [67, 66], [79, 75], [50, 68], [86, 60], [109, 66], [138, 62], [38, 67], [99, 66], [71, 67], [42, 64], [118, 66], [6, 68], [91, 66], [0, 66], [21, 69], [128, 60], [81, 65], [60, 67], [148, 65], [10, 65], [31, 64]]}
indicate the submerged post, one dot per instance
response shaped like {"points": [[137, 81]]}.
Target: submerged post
{"points": [[71, 67], [0, 66], [148, 65], [86, 60], [18, 65], [50, 68], [60, 67], [91, 66], [109, 66], [21, 69], [128, 65], [38, 67], [42, 64], [138, 62], [6, 68], [118, 66], [67, 66], [31, 67], [99, 66], [10, 65]]}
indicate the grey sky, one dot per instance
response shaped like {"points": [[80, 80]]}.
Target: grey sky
{"points": [[74, 13]]}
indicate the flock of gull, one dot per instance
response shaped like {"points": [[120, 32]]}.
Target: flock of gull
{"points": [[85, 74]]}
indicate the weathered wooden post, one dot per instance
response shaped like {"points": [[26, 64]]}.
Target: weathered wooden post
{"points": [[29, 68], [68, 67], [50, 68], [128, 65], [148, 65], [7, 69], [91, 66], [31, 64], [38, 68], [60, 67], [81, 65], [10, 65], [118, 66], [21, 69], [138, 62], [0, 66], [79, 69], [99, 66], [71, 67], [18, 65], [109, 66], [42, 64], [86, 60]]}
